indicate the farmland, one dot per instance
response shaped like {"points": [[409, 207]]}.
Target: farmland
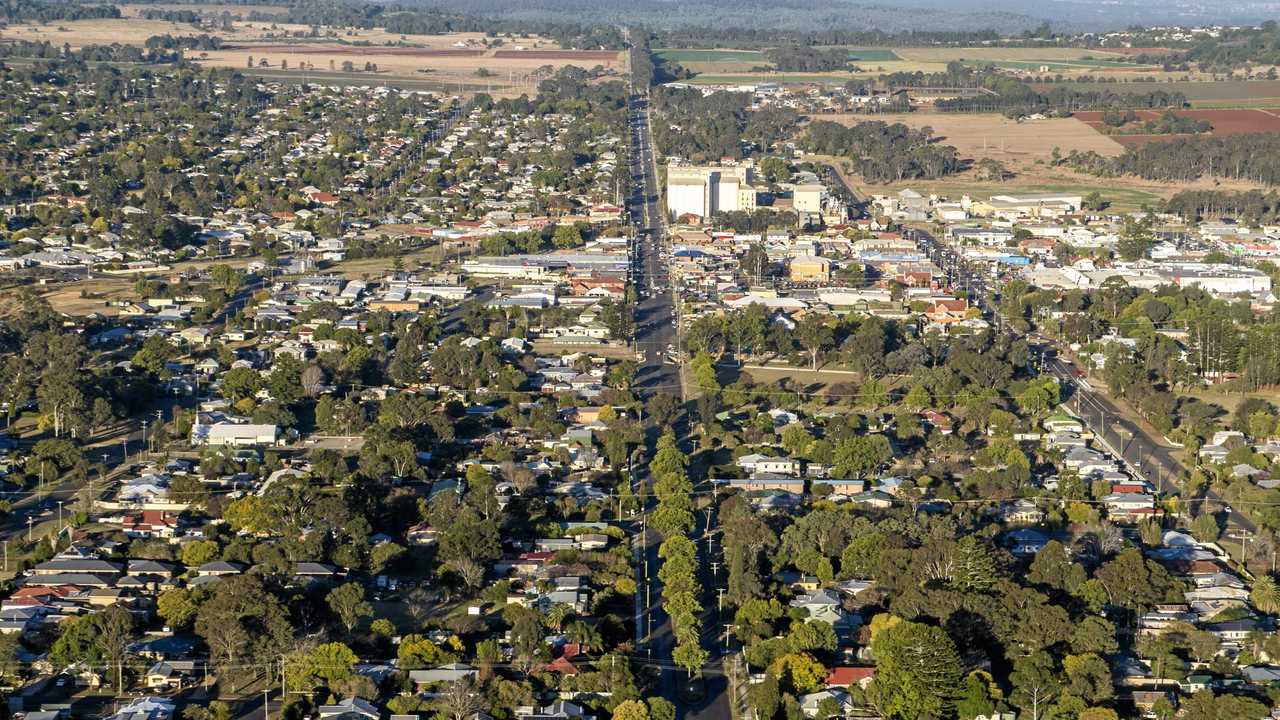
{"points": [[727, 66], [1225, 122], [1017, 144], [1026, 150], [462, 61], [872, 55], [710, 56], [1221, 93]]}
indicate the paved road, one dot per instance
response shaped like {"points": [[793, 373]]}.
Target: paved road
{"points": [[655, 309], [1145, 455], [656, 332]]}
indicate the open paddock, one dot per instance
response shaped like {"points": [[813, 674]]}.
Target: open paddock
{"points": [[1200, 93], [685, 56], [359, 50], [571, 56], [1236, 121], [979, 135], [439, 68], [1004, 54]]}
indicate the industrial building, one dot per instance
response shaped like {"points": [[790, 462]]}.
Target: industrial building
{"points": [[705, 190]]}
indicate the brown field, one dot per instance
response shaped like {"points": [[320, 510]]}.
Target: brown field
{"points": [[1141, 51], [604, 56], [1225, 122], [331, 49], [1017, 144], [204, 8], [66, 297], [456, 61]]}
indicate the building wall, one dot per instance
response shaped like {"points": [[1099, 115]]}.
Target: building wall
{"points": [[686, 198]]}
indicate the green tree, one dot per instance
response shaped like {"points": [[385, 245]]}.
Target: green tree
{"points": [[348, 604], [917, 671], [176, 607]]}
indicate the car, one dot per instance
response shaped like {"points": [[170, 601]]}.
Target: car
{"points": [[1077, 372]]}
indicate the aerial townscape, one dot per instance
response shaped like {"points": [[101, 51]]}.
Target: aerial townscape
{"points": [[716, 360]]}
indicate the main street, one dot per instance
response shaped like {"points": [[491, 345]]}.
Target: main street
{"points": [[656, 342], [1144, 455]]}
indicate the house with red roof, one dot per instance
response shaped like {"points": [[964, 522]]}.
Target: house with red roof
{"points": [[844, 676], [150, 523]]}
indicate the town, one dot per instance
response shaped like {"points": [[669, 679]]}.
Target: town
{"points": [[631, 389]]}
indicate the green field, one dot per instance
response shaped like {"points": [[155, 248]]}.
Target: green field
{"points": [[872, 55], [710, 56], [1222, 93]]}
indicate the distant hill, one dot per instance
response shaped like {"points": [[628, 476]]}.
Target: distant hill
{"points": [[1005, 16], [749, 14]]}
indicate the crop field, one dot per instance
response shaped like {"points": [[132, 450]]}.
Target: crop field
{"points": [[1225, 122], [1206, 93], [462, 61], [1002, 54], [729, 66], [1063, 66], [711, 56], [872, 55]]}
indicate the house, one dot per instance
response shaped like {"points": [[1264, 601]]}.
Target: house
{"points": [[840, 486], [945, 311], [558, 710], [351, 709], [170, 674], [819, 703], [844, 676], [150, 523], [1063, 423], [873, 498], [768, 481], [1021, 512], [145, 708], [824, 605], [234, 434], [1235, 631], [444, 674], [1025, 541], [757, 463], [219, 568], [1129, 506]]}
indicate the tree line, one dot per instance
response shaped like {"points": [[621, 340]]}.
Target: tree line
{"points": [[1250, 156], [800, 58], [884, 152]]}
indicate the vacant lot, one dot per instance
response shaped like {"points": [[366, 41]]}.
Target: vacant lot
{"points": [[1016, 144], [1225, 122]]}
